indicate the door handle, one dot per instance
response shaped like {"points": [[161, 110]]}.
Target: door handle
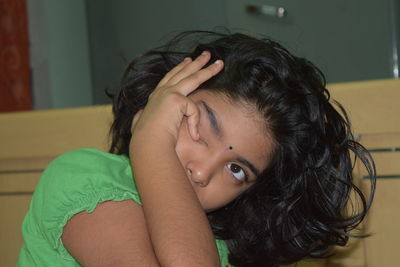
{"points": [[267, 10]]}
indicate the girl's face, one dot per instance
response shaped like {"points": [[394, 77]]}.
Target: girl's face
{"points": [[232, 150]]}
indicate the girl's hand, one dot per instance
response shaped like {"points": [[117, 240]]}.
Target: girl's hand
{"points": [[168, 104], [174, 217]]}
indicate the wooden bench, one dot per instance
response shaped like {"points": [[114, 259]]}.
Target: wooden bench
{"points": [[30, 140]]}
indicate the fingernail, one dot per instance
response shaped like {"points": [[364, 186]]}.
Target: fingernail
{"points": [[205, 53], [187, 59], [218, 61]]}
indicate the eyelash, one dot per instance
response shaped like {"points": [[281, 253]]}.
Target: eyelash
{"points": [[245, 178]]}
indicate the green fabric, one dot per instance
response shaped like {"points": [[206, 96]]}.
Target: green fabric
{"points": [[75, 181]]}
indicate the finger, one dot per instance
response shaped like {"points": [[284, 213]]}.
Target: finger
{"points": [[191, 68], [174, 71], [193, 118], [191, 83]]}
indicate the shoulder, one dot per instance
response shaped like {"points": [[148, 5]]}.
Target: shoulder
{"points": [[88, 159], [109, 229], [77, 182], [114, 234], [85, 176], [79, 179], [89, 168]]}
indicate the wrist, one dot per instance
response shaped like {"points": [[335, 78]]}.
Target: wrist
{"points": [[152, 140]]}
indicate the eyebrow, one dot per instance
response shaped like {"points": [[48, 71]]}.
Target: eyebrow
{"points": [[249, 165], [215, 125]]}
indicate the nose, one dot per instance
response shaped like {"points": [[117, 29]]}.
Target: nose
{"points": [[200, 173]]}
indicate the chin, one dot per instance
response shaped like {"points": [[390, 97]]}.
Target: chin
{"points": [[208, 210]]}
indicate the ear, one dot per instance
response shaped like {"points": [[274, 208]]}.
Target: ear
{"points": [[136, 118]]}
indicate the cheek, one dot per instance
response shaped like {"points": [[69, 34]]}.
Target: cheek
{"points": [[215, 196]]}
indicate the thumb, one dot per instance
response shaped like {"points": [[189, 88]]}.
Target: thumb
{"points": [[193, 117]]}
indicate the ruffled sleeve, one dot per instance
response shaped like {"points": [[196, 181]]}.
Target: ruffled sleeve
{"points": [[75, 181]]}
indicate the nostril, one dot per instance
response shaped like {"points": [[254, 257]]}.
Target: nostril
{"points": [[200, 183], [195, 177]]}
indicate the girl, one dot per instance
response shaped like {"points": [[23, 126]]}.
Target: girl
{"points": [[238, 157]]}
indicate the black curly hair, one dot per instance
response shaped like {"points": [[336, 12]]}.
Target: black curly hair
{"points": [[297, 207]]}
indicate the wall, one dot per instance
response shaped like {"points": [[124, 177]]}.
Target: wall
{"points": [[79, 48], [121, 29], [348, 40], [59, 53]]}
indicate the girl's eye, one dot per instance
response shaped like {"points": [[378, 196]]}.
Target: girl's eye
{"points": [[237, 171]]}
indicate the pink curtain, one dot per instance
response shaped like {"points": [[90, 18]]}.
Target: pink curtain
{"points": [[15, 91]]}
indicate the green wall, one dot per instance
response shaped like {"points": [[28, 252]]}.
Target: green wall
{"points": [[121, 29], [59, 51], [79, 48]]}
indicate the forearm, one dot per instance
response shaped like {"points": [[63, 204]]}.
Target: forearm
{"points": [[178, 227]]}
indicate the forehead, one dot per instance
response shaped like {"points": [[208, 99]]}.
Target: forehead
{"points": [[242, 126]]}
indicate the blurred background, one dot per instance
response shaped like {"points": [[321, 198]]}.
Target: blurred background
{"points": [[57, 54], [69, 51]]}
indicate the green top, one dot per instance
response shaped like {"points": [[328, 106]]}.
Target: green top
{"points": [[75, 181]]}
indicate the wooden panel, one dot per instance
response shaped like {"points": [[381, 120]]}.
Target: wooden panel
{"points": [[374, 141], [309, 263], [51, 132], [29, 141], [383, 222], [385, 149], [12, 212], [18, 183], [24, 164], [374, 111], [387, 164], [384, 216], [352, 255], [373, 106]]}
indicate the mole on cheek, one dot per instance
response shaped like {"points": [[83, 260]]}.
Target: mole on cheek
{"points": [[230, 147]]}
